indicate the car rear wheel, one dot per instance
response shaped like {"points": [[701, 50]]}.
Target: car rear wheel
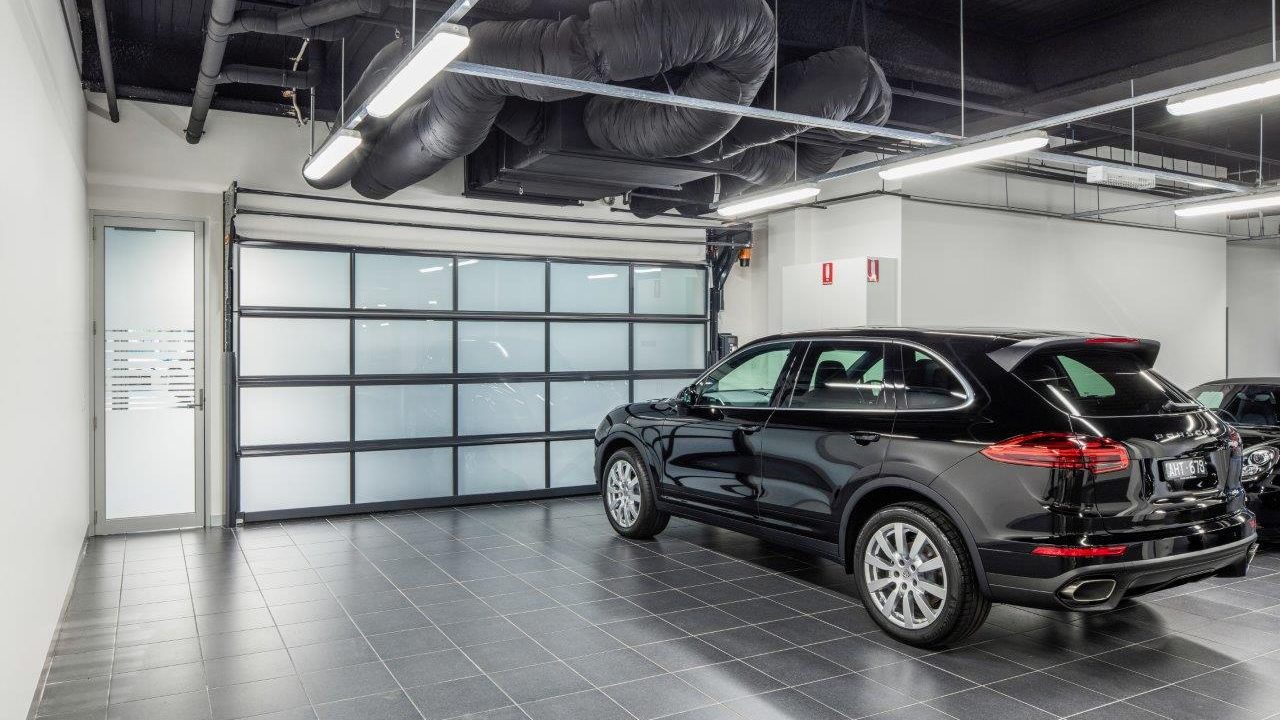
{"points": [[916, 578], [628, 497]]}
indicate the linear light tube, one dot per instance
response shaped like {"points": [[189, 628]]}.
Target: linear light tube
{"points": [[426, 61], [968, 155], [765, 201], [332, 152], [1223, 207], [1236, 93]]}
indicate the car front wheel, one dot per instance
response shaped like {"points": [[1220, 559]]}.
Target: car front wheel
{"points": [[916, 578], [628, 497]]}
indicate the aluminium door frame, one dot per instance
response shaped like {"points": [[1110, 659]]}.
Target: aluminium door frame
{"points": [[199, 516]]}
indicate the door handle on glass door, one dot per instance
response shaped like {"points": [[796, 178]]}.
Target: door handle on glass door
{"points": [[864, 438]]}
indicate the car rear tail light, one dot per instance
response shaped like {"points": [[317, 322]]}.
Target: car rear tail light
{"points": [[1061, 451], [1110, 341], [1079, 551]]}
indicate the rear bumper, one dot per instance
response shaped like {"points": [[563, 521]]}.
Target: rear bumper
{"points": [[1147, 566]]}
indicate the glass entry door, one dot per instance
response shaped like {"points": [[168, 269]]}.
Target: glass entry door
{"points": [[149, 420]]}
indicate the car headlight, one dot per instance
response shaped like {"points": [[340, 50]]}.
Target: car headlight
{"points": [[1258, 461]]}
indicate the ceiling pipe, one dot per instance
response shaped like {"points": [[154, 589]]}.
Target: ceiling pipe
{"points": [[315, 21], [104, 58]]}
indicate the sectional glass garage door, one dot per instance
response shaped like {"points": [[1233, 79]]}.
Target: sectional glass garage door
{"points": [[371, 379]]}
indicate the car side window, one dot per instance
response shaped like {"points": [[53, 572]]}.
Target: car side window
{"points": [[746, 379], [1211, 396], [1255, 405], [928, 384], [842, 376]]}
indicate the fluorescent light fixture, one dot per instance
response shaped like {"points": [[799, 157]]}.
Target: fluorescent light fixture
{"points": [[434, 268], [749, 204], [602, 276], [333, 151], [467, 262], [647, 270], [1233, 93], [972, 154], [426, 61], [1233, 205]]}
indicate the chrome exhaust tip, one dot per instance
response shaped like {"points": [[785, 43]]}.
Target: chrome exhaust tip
{"points": [[1087, 592]]}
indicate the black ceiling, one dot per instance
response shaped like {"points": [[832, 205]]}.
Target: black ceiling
{"points": [[1022, 57]]}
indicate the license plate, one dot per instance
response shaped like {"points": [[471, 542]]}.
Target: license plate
{"points": [[1184, 469]]}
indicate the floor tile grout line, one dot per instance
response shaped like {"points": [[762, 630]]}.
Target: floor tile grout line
{"points": [[487, 675]]}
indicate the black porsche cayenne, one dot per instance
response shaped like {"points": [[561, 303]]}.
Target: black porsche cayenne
{"points": [[945, 469]]}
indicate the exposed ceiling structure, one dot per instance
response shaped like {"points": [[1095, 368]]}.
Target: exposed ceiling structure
{"points": [[1023, 59]]}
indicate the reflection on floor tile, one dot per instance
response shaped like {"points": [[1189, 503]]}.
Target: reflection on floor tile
{"points": [[531, 610]]}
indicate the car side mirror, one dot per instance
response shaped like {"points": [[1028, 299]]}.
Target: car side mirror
{"points": [[687, 395]]}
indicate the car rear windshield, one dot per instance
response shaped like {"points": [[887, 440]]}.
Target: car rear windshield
{"points": [[1100, 383]]}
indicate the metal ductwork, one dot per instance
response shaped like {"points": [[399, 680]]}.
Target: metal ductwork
{"points": [[714, 49], [844, 84], [323, 20]]}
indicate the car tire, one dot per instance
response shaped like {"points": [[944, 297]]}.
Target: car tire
{"points": [[629, 503], [918, 581]]}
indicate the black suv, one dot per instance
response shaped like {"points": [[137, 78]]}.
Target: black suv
{"points": [[945, 469], [1251, 405]]}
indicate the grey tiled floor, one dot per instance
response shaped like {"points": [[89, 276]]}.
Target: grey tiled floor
{"points": [[537, 611]]}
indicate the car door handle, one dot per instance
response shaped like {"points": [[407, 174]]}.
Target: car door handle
{"points": [[750, 429], [864, 438]]}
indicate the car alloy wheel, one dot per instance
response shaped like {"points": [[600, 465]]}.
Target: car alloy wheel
{"points": [[623, 493], [905, 575]]}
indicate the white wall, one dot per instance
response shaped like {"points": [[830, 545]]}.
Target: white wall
{"points": [[964, 266], [992, 267], [45, 443], [1253, 298]]}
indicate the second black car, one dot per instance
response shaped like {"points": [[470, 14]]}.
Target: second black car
{"points": [[945, 469]]}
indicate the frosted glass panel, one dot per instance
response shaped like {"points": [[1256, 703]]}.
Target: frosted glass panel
{"points": [[497, 408], [513, 285], [149, 366], [389, 412], [403, 347], [404, 282], [501, 468], [487, 347], [294, 481], [581, 405], [572, 463], [275, 277], [294, 346], [404, 474], [588, 288], [669, 346], [659, 389], [290, 415], [588, 346], [670, 291]]}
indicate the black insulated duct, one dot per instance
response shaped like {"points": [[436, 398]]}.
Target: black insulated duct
{"points": [[723, 48], [841, 84]]}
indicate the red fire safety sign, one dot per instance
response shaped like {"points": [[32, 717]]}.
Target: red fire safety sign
{"points": [[828, 273], [873, 270]]}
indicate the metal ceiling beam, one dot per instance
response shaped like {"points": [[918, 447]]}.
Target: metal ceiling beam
{"points": [[628, 93], [1126, 103], [104, 58]]}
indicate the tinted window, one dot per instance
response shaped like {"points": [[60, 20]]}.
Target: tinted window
{"points": [[1099, 383], [928, 384], [746, 379], [1254, 405], [1210, 396], [842, 376]]}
